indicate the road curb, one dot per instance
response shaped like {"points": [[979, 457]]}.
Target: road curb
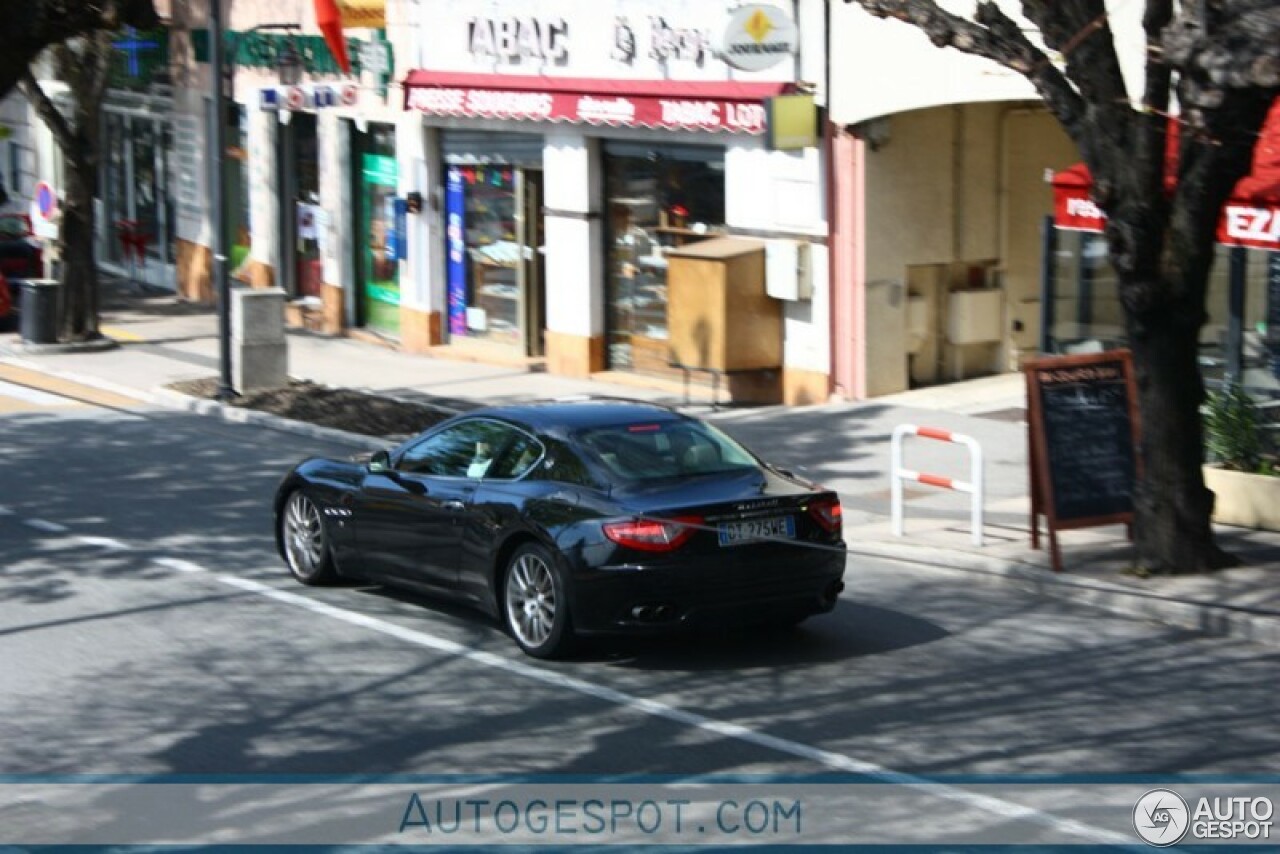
{"points": [[167, 398], [1206, 617], [239, 415]]}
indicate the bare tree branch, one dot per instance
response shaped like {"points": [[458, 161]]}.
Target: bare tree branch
{"points": [[63, 134], [994, 36]]}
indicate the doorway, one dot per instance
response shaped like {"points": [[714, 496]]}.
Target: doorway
{"points": [[496, 256], [301, 218], [376, 176]]}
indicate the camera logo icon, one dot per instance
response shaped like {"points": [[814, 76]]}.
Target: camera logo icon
{"points": [[1161, 818]]}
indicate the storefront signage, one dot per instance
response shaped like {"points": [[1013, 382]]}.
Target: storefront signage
{"points": [[513, 39], [747, 117], [261, 50], [686, 44], [370, 14], [1250, 226], [759, 37], [295, 98], [1239, 225]]}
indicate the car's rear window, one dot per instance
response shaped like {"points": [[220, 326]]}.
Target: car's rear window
{"points": [[651, 450]]}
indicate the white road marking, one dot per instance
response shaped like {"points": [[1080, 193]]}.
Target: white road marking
{"points": [[177, 563], [5, 511], [105, 543], [31, 395], [42, 525], [827, 758]]}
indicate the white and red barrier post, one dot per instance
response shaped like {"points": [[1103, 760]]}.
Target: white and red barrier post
{"points": [[974, 486]]}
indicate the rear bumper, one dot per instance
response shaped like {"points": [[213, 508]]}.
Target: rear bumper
{"points": [[729, 588]]}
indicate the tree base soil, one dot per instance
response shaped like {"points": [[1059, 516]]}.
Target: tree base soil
{"points": [[338, 408]]}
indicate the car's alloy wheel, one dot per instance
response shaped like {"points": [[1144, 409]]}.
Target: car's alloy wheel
{"points": [[305, 546], [534, 602]]}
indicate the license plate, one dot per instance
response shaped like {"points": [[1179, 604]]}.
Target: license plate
{"points": [[752, 530]]}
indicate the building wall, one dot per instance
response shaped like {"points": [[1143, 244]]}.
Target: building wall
{"points": [[770, 195], [954, 200]]}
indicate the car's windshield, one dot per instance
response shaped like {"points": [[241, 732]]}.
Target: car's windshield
{"points": [[651, 450]]}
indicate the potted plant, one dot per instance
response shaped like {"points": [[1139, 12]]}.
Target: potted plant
{"points": [[1241, 472]]}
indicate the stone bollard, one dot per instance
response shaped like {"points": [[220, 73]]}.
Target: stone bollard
{"points": [[260, 357]]}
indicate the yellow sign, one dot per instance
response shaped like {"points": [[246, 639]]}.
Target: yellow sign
{"points": [[363, 13], [793, 122]]}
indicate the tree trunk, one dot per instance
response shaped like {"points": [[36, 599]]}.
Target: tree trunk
{"points": [[78, 320], [1172, 507]]}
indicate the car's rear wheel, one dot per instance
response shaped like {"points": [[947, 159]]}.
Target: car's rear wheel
{"points": [[306, 545], [534, 603]]}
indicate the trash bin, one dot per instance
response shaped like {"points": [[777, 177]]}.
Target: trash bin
{"points": [[38, 301]]}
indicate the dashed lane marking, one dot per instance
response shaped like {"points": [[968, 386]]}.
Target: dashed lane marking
{"points": [[43, 525], [178, 564], [104, 543]]}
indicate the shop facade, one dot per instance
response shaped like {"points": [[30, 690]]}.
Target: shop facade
{"points": [[311, 169], [1240, 338], [939, 192], [567, 151]]}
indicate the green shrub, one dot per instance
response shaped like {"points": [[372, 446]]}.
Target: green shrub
{"points": [[1233, 429]]}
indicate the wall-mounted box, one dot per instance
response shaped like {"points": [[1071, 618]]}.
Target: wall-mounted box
{"points": [[974, 316], [918, 315], [719, 316], [788, 271]]}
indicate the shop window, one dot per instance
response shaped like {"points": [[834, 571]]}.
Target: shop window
{"points": [[495, 254], [658, 199], [379, 271]]}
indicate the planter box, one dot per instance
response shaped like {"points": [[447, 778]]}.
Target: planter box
{"points": [[1244, 499]]}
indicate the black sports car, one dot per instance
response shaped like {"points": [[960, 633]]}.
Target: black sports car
{"points": [[568, 519]]}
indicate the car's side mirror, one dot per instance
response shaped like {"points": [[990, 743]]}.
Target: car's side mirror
{"points": [[380, 462]]}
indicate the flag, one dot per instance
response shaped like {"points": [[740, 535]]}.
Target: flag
{"points": [[329, 19]]}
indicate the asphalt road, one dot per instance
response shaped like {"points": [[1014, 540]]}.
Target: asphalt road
{"points": [[147, 626]]}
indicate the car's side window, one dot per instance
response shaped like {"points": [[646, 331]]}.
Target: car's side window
{"points": [[467, 449], [563, 465], [521, 455]]}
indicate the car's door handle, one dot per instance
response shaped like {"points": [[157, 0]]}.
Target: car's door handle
{"points": [[454, 505]]}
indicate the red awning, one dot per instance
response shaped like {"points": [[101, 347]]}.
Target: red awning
{"points": [[729, 107], [1251, 217]]}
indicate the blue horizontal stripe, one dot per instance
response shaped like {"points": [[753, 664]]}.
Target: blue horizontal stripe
{"points": [[891, 779]]}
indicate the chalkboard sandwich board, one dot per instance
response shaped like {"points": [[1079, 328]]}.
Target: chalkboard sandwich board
{"points": [[1082, 422]]}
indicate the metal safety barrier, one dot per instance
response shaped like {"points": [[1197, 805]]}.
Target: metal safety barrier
{"points": [[974, 486]]}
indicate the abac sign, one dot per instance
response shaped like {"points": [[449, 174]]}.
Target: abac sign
{"points": [[759, 37]]}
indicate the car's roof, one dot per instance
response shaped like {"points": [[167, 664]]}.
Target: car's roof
{"points": [[571, 415]]}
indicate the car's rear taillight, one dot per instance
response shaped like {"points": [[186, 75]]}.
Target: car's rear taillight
{"points": [[653, 535], [828, 513]]}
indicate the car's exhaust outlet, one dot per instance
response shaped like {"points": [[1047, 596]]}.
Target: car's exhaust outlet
{"points": [[832, 593], [653, 613]]}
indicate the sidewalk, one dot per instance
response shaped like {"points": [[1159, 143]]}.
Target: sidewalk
{"points": [[842, 445]]}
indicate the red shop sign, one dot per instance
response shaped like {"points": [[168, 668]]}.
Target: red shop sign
{"points": [[716, 107]]}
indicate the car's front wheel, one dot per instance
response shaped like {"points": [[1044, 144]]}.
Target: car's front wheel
{"points": [[534, 603], [306, 545]]}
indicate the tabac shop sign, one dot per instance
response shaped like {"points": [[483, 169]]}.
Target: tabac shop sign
{"points": [[759, 37]]}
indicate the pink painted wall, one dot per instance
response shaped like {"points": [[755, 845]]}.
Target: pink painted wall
{"points": [[848, 265]]}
